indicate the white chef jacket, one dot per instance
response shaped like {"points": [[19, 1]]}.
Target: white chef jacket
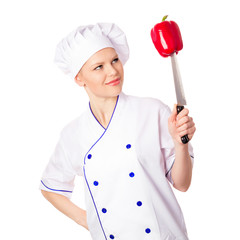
{"points": [[127, 170]]}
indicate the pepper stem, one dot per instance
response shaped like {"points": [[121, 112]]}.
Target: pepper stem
{"points": [[164, 18]]}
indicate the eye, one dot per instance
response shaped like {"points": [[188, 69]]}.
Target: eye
{"points": [[115, 60], [98, 67]]}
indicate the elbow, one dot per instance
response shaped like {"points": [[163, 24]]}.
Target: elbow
{"points": [[182, 184], [182, 188]]}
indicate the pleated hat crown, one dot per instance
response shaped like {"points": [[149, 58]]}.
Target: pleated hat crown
{"points": [[77, 47]]}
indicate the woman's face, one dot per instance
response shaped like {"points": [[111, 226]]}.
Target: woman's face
{"points": [[100, 69]]}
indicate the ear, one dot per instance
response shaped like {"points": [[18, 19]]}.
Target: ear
{"points": [[79, 81]]}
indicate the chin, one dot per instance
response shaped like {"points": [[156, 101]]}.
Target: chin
{"points": [[118, 91]]}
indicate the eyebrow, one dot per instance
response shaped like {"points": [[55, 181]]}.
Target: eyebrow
{"points": [[100, 63]]}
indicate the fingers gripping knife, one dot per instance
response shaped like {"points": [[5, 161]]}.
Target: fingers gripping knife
{"points": [[167, 39]]}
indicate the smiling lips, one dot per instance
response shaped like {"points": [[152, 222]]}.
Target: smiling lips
{"points": [[114, 82]]}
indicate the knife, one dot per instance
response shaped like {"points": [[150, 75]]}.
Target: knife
{"points": [[181, 100]]}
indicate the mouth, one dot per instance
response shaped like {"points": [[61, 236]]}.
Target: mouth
{"points": [[116, 81]]}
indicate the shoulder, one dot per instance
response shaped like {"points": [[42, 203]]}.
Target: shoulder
{"points": [[147, 103], [73, 127]]}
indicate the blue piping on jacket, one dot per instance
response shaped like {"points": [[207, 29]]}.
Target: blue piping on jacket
{"points": [[85, 163], [95, 117], [55, 189]]}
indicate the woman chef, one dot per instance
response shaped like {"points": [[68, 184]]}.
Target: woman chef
{"points": [[127, 148]]}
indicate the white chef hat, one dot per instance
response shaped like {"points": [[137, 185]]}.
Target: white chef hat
{"points": [[75, 49]]}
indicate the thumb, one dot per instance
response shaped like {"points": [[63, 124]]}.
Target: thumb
{"points": [[173, 116]]}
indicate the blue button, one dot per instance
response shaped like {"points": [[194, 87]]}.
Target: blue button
{"points": [[111, 236], [148, 230], [131, 174], [104, 210], [95, 183], [89, 156], [139, 203], [128, 146]]}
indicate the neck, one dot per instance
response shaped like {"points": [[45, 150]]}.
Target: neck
{"points": [[102, 108]]}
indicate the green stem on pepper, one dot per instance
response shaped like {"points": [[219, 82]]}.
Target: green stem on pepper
{"points": [[164, 18]]}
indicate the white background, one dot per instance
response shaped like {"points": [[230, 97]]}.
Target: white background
{"points": [[37, 100]]}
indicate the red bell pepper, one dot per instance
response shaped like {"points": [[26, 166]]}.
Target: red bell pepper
{"points": [[166, 37]]}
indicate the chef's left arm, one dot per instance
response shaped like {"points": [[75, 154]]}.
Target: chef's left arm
{"points": [[178, 126]]}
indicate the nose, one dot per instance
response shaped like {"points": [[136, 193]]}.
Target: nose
{"points": [[111, 70]]}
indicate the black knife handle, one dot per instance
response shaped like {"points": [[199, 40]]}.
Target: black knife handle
{"points": [[184, 138]]}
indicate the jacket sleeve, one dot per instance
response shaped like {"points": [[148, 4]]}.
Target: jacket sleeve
{"points": [[59, 175], [167, 145]]}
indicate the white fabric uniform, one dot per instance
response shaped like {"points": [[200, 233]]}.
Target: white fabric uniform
{"points": [[126, 168]]}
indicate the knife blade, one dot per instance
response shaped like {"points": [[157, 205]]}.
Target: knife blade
{"points": [[181, 100]]}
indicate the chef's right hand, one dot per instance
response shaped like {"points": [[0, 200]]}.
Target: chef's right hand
{"points": [[67, 207]]}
